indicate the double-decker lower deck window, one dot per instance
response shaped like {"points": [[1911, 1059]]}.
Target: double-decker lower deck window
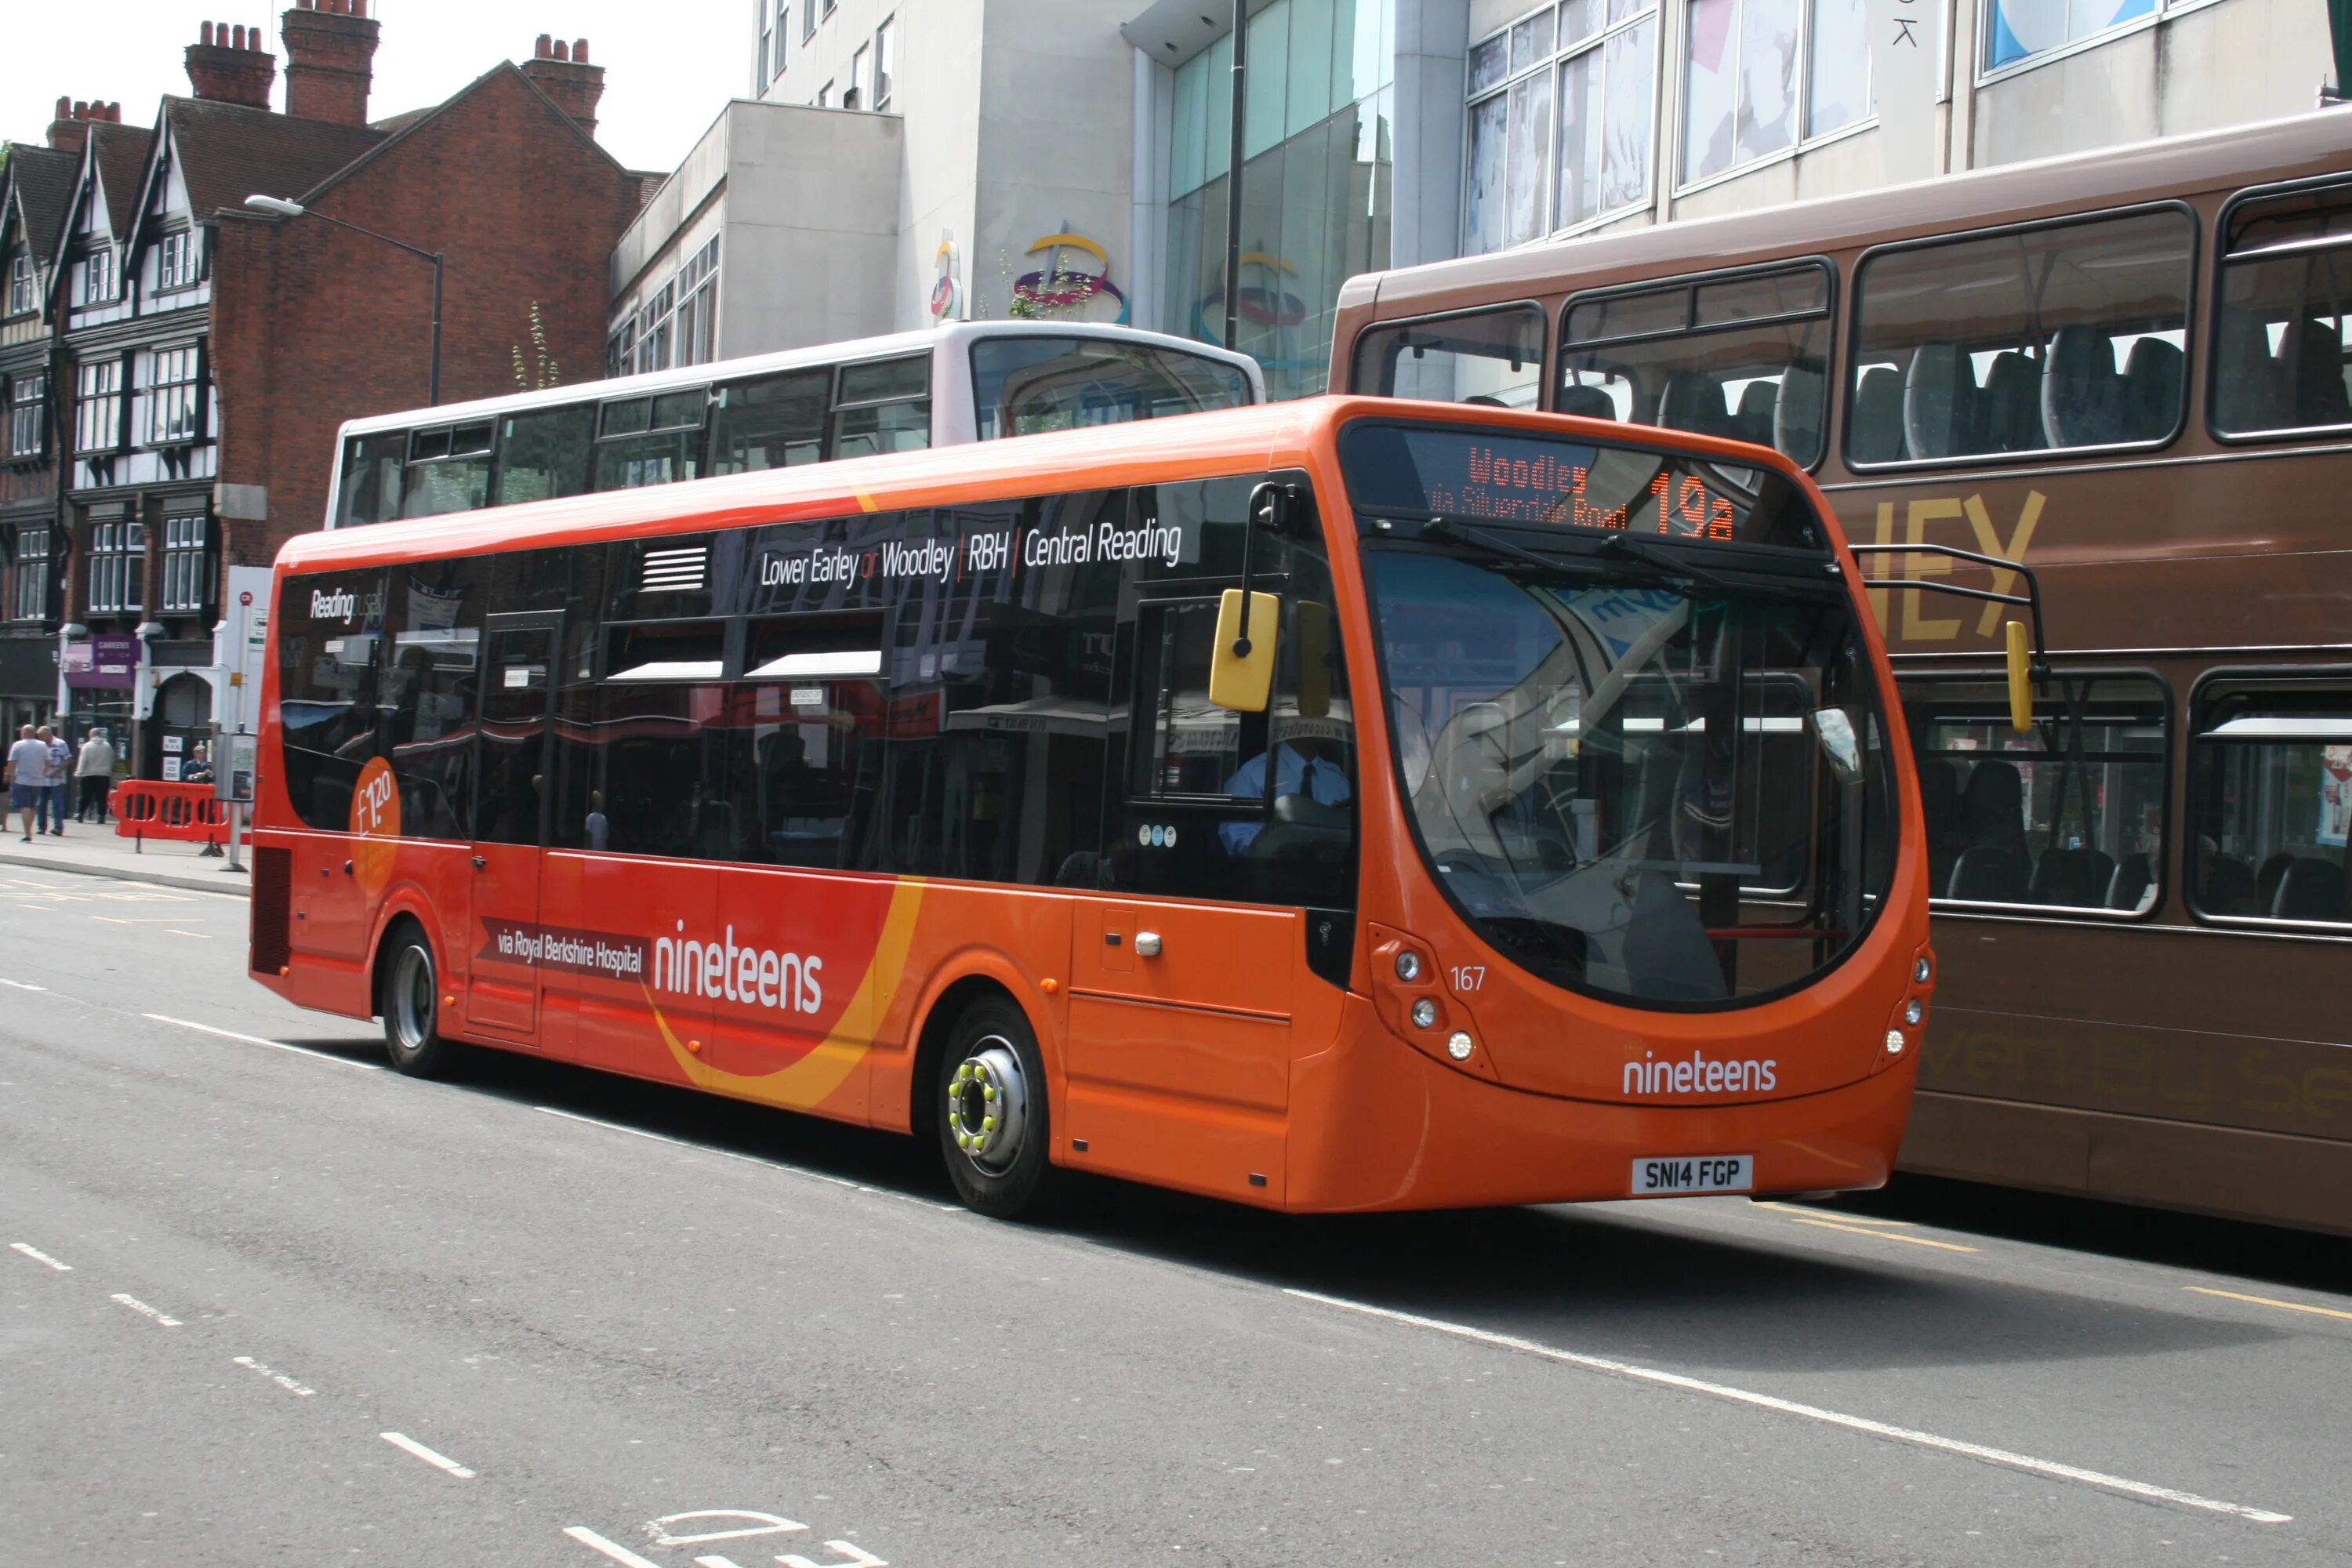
{"points": [[2068, 334], [118, 566], [1743, 357], [2270, 800], [2070, 813], [2284, 359]]}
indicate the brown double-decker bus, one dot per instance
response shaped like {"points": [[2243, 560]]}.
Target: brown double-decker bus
{"points": [[2127, 371]]}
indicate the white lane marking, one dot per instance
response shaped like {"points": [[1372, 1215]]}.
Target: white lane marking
{"points": [[749, 1160], [852, 1557], [612, 1549], [438, 1461], [198, 934], [22, 985], [273, 1375], [136, 1305], [257, 1040], [38, 1255], [1810, 1411], [762, 1524]]}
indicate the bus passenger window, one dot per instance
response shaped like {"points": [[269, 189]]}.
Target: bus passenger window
{"points": [[2270, 800], [2070, 814], [372, 470], [884, 406], [448, 470], [329, 664], [546, 453], [1022, 386], [654, 439], [2283, 361], [2068, 335], [430, 693], [1742, 358], [1487, 356], [775, 422]]}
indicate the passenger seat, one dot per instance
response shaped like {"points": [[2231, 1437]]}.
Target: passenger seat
{"points": [[2009, 410], [2082, 396], [1875, 423], [1586, 401], [1693, 401], [2151, 390], [1797, 414], [2128, 886], [1753, 422], [2311, 890], [1939, 402]]}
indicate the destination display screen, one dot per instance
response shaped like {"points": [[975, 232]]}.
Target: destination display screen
{"points": [[1512, 477]]}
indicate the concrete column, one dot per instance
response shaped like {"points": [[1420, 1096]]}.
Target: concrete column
{"points": [[1432, 37]]}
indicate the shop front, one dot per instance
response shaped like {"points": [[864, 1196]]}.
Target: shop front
{"points": [[101, 678]]}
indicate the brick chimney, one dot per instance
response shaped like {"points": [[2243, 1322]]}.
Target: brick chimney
{"points": [[229, 64], [70, 131], [330, 55], [564, 75]]}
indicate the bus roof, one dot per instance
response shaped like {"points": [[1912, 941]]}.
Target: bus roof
{"points": [[849, 350], [1188, 447], [2298, 146]]}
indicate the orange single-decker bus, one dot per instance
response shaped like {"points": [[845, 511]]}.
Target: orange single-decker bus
{"points": [[1342, 804]]}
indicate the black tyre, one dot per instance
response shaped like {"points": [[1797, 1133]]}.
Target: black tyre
{"points": [[991, 1097], [412, 1008]]}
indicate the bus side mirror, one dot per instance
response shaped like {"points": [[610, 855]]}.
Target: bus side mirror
{"points": [[2021, 679], [1241, 660], [1312, 623]]}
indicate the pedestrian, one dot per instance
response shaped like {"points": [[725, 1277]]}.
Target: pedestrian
{"points": [[94, 771], [60, 776], [28, 776], [200, 766]]}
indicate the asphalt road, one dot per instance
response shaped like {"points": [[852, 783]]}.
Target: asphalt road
{"points": [[264, 1305]]}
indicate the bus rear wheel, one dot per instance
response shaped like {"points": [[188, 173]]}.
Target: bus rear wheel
{"points": [[411, 1002], [993, 1118]]}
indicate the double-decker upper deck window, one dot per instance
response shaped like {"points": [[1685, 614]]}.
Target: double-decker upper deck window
{"points": [[1482, 356], [372, 474], [1560, 112], [2065, 335], [883, 405], [2284, 357], [98, 415], [650, 440], [2270, 800], [449, 470], [1744, 358], [172, 400], [26, 394], [1026, 384]]}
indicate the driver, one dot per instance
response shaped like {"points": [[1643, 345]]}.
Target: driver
{"points": [[1297, 770]]}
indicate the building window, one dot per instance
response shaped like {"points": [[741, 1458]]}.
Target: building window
{"points": [[1317, 187], [178, 262], [2017, 30], [697, 306], [653, 321], [824, 96], [185, 558], [102, 279], [171, 401], [1761, 76], [621, 348], [1561, 111], [29, 596], [26, 394], [886, 60], [118, 567], [98, 415], [853, 95], [808, 20], [24, 286]]}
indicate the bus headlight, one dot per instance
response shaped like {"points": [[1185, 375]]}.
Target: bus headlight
{"points": [[1458, 1045], [1893, 1042], [1921, 970], [1408, 966], [1914, 1011], [1424, 1013]]}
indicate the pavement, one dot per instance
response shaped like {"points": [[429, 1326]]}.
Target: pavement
{"points": [[263, 1301], [95, 851]]}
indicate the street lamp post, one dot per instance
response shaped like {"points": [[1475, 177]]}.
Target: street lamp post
{"points": [[278, 208]]}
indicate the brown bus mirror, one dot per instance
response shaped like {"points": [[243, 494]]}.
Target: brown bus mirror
{"points": [[1241, 659], [1311, 623], [2021, 679]]}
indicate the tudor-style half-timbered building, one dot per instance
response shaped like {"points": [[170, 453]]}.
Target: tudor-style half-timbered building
{"points": [[33, 193]]}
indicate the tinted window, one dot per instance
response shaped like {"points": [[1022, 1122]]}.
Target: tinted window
{"points": [[2284, 357], [1493, 356], [448, 470], [2065, 336], [429, 695], [1741, 358], [330, 631], [656, 439], [372, 471], [545, 453], [1026, 384], [772, 423], [2069, 814], [2270, 800]]}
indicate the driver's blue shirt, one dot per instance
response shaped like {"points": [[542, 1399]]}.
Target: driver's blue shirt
{"points": [[1318, 778]]}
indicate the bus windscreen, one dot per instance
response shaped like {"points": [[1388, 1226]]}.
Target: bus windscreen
{"points": [[1511, 476]]}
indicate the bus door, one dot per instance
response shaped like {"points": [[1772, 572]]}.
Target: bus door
{"points": [[509, 820]]}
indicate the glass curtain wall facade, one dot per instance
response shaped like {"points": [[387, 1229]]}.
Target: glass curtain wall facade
{"points": [[1317, 181], [1561, 106]]}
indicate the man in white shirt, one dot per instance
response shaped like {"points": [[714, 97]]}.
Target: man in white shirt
{"points": [[53, 804], [28, 776], [94, 772]]}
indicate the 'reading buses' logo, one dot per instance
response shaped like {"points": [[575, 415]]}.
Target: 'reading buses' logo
{"points": [[339, 605], [1695, 1074]]}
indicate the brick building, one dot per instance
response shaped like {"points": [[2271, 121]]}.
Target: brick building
{"points": [[202, 353]]}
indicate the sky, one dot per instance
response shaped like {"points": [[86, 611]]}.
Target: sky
{"points": [[669, 64]]}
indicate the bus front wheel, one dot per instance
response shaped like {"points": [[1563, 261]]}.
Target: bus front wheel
{"points": [[412, 997], [993, 1117]]}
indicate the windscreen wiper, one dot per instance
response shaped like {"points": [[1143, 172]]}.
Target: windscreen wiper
{"points": [[1619, 545], [1442, 528], [1625, 546]]}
